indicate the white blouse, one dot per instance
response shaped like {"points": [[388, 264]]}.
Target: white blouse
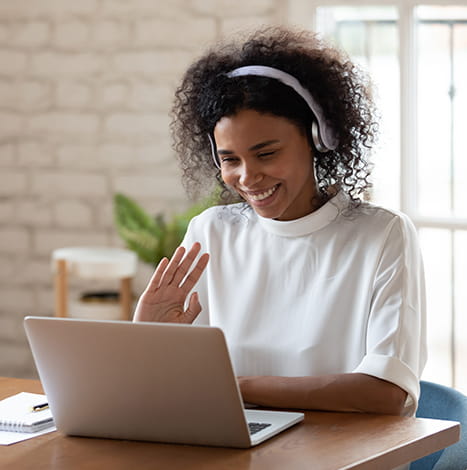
{"points": [[336, 291]]}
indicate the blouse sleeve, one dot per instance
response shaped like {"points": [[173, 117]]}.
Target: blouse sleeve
{"points": [[396, 333]]}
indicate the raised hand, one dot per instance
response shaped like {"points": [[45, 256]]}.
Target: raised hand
{"points": [[164, 298]]}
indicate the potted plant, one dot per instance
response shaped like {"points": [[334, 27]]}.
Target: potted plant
{"points": [[152, 237]]}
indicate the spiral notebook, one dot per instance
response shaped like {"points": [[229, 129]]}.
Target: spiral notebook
{"points": [[17, 413]]}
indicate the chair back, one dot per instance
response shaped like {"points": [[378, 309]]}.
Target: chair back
{"points": [[441, 402]]}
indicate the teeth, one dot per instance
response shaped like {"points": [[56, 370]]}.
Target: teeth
{"points": [[260, 197]]}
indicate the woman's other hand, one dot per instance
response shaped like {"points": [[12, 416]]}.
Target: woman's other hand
{"points": [[165, 296]]}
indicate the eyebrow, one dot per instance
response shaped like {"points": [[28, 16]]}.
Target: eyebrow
{"points": [[252, 148]]}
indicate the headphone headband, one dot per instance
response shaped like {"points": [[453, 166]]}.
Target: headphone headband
{"points": [[324, 136]]}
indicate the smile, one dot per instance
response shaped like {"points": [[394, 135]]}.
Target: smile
{"points": [[264, 194]]}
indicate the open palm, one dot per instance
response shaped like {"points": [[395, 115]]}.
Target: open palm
{"points": [[165, 296]]}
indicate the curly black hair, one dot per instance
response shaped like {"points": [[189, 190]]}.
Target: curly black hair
{"points": [[206, 95]]}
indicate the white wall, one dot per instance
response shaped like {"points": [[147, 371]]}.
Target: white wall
{"points": [[85, 91]]}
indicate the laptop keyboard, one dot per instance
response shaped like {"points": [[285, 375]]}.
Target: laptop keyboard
{"points": [[255, 427]]}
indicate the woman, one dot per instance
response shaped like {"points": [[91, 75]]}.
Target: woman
{"points": [[320, 294]]}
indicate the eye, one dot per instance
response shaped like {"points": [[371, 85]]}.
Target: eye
{"points": [[226, 159], [266, 154]]}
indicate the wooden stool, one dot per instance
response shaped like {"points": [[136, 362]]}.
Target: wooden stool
{"points": [[93, 263]]}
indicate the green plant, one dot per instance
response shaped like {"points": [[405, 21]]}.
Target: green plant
{"points": [[152, 238]]}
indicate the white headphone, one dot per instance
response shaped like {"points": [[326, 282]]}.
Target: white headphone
{"points": [[323, 135]]}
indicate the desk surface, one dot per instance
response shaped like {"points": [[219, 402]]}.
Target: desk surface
{"points": [[323, 441]]}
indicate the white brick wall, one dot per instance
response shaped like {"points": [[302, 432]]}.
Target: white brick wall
{"points": [[85, 91], [12, 63]]}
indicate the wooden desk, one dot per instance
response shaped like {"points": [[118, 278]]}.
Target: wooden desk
{"points": [[323, 441]]}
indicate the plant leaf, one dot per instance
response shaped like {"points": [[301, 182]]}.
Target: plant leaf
{"points": [[151, 238], [141, 232]]}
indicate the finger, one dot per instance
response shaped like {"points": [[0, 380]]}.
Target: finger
{"points": [[195, 274], [155, 280], [185, 265], [194, 307], [172, 266]]}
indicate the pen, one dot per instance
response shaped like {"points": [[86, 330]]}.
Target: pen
{"points": [[40, 407]]}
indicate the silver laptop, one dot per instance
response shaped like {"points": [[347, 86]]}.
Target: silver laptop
{"points": [[145, 381]]}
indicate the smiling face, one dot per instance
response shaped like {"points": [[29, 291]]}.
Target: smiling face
{"points": [[268, 161]]}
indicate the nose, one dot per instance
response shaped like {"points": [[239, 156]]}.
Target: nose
{"points": [[250, 174]]}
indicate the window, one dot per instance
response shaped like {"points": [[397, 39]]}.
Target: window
{"points": [[369, 36], [417, 56]]}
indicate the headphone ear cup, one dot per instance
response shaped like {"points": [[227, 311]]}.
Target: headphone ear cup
{"points": [[317, 141], [215, 157]]}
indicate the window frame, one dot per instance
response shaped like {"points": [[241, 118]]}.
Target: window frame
{"points": [[408, 97]]}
